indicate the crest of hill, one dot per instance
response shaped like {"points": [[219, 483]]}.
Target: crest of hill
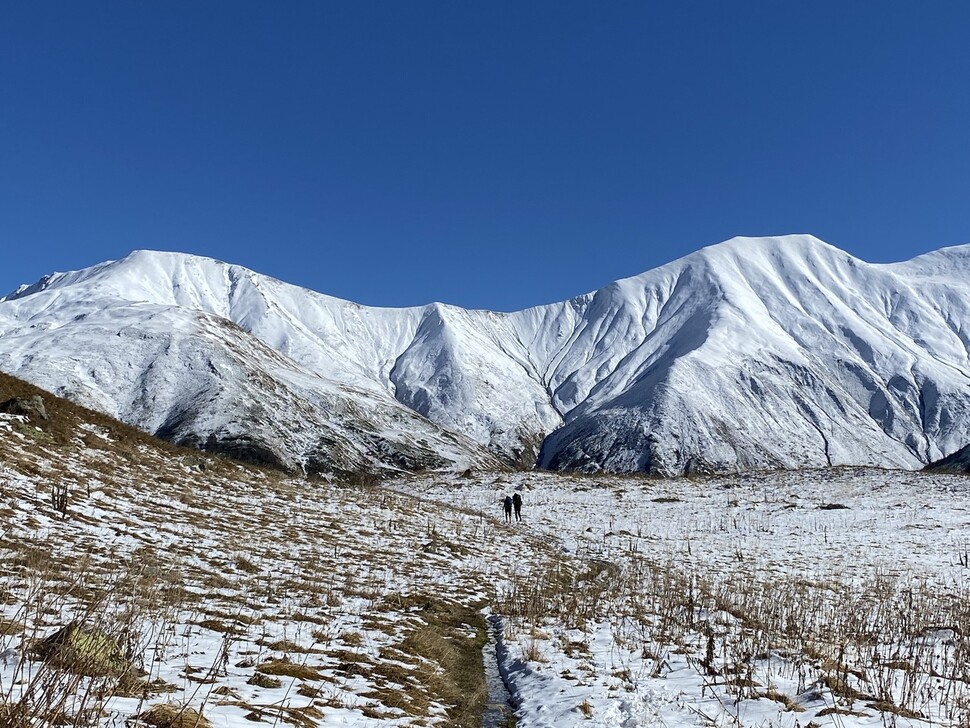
{"points": [[957, 463], [65, 418], [70, 425]]}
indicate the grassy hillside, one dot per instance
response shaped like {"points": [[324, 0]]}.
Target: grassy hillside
{"points": [[207, 583]]}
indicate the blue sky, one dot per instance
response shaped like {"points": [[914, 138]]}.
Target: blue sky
{"points": [[493, 155]]}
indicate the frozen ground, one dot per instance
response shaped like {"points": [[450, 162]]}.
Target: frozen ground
{"points": [[239, 593], [834, 597], [826, 597]]}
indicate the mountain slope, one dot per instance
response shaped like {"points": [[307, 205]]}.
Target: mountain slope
{"points": [[754, 353], [151, 340], [781, 353]]}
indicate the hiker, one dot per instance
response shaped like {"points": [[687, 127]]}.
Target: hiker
{"points": [[517, 503], [508, 509]]}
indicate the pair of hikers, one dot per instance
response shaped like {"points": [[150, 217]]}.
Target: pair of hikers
{"points": [[513, 501]]}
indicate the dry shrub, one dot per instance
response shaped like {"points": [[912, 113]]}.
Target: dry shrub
{"points": [[353, 639], [790, 703], [532, 653], [172, 715], [288, 646]]}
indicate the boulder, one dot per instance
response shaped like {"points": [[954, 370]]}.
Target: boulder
{"points": [[82, 651], [32, 407]]}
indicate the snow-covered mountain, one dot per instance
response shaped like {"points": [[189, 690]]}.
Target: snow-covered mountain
{"points": [[755, 353]]}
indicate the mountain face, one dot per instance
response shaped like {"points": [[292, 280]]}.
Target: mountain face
{"points": [[755, 353]]}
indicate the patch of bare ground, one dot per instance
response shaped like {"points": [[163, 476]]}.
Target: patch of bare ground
{"points": [[447, 649]]}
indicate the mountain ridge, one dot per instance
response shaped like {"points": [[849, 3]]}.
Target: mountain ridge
{"points": [[818, 358]]}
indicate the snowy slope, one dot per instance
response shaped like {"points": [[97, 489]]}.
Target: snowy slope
{"points": [[758, 352], [157, 340], [778, 352], [832, 598]]}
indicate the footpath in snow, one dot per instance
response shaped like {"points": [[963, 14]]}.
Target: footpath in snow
{"points": [[832, 597]]}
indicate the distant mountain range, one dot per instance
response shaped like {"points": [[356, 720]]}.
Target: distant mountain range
{"points": [[754, 353]]}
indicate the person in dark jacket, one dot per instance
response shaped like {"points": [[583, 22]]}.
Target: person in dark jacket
{"points": [[508, 509], [517, 504]]}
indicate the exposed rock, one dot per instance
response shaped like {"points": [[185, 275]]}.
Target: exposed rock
{"points": [[32, 407], [82, 651], [958, 462]]}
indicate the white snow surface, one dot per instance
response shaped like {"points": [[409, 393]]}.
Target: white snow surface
{"points": [[836, 540], [754, 353]]}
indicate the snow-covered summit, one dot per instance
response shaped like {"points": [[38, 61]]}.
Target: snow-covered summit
{"points": [[756, 352], [952, 262]]}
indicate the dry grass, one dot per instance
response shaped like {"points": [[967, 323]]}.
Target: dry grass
{"points": [[189, 565], [9, 627], [70, 673], [864, 644], [61, 429], [447, 661], [172, 715], [416, 644], [264, 681], [285, 668], [786, 700]]}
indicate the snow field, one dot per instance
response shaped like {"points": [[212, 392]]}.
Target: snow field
{"points": [[834, 597], [754, 353]]}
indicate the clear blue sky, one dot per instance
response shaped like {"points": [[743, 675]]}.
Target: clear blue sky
{"points": [[494, 154]]}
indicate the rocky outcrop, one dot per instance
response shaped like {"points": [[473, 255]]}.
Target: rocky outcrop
{"points": [[958, 462], [30, 407]]}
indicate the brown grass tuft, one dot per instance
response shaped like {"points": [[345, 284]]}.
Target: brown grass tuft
{"points": [[285, 668], [172, 715]]}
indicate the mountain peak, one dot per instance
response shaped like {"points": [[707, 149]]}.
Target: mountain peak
{"points": [[168, 259], [779, 246], [756, 352], [138, 263]]}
